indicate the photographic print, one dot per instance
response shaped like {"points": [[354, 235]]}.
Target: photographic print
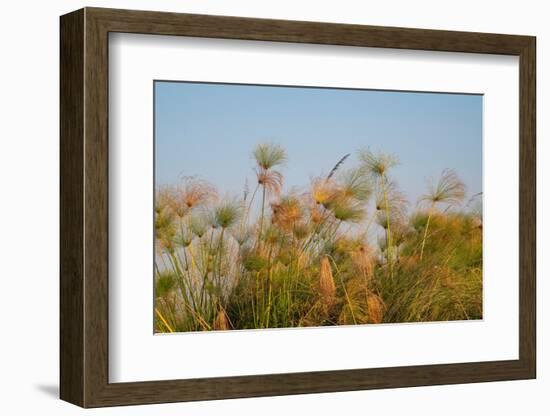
{"points": [[290, 206]]}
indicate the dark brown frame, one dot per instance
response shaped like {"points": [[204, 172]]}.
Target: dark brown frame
{"points": [[84, 207]]}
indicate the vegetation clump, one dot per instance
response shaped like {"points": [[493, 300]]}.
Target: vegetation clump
{"points": [[347, 250]]}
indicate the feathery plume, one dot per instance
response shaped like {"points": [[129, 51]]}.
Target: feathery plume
{"points": [[221, 323], [375, 308], [448, 190], [326, 281], [337, 166]]}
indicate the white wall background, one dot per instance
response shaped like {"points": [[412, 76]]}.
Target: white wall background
{"points": [[29, 159]]}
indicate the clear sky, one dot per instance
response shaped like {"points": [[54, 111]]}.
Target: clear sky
{"points": [[209, 130]]}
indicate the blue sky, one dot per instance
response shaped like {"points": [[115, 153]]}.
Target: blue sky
{"points": [[209, 130]]}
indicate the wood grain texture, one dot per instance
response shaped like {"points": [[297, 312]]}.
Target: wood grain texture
{"points": [[527, 208], [71, 100], [84, 207], [96, 207]]}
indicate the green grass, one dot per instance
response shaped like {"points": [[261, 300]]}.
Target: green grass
{"points": [[317, 257]]}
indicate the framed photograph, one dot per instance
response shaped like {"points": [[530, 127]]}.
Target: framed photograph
{"points": [[255, 207]]}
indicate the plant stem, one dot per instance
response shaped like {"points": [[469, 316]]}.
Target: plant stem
{"points": [[430, 212], [270, 285], [388, 230], [348, 300], [190, 283], [164, 321], [220, 255], [247, 215], [261, 216]]}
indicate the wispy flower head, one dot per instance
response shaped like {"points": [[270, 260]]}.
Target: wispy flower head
{"points": [[322, 190], [449, 189], [166, 244], [356, 184], [184, 237], [377, 165], [242, 236], [287, 212], [198, 224], [163, 220], [347, 211], [475, 204], [195, 192], [184, 198], [227, 214], [392, 200], [269, 155], [271, 180], [316, 214], [165, 238], [164, 198]]}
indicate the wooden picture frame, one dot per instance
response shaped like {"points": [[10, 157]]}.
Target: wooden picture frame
{"points": [[84, 207]]}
